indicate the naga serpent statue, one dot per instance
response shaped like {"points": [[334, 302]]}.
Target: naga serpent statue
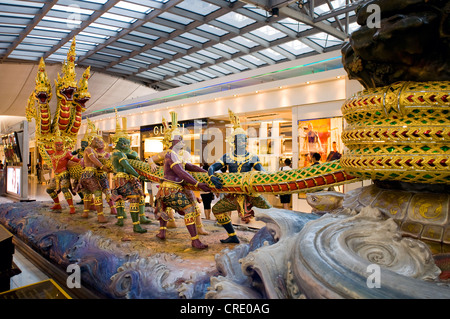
{"points": [[72, 97]]}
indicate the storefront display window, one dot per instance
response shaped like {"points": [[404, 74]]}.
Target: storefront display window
{"points": [[271, 141], [319, 136]]}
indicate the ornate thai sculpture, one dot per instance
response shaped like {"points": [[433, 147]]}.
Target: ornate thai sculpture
{"points": [[65, 125]]}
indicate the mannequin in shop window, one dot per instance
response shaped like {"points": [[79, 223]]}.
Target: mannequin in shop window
{"points": [[238, 161], [313, 143], [172, 193]]}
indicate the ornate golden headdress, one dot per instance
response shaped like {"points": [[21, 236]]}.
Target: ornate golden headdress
{"points": [[170, 131], [58, 138], [68, 69], [82, 88], [167, 134], [42, 81], [121, 132], [237, 129], [174, 127], [91, 132]]}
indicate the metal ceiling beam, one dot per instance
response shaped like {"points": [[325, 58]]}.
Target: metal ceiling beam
{"points": [[176, 33], [300, 36], [336, 12], [94, 16], [136, 25], [38, 17], [299, 16]]}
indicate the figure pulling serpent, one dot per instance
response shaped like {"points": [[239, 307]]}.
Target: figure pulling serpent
{"points": [[172, 193]]}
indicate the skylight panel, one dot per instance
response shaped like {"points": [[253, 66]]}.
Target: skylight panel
{"points": [[225, 48], [33, 47], [23, 3], [106, 27], [209, 54], [57, 57], [324, 39], [194, 37], [143, 35], [210, 75], [245, 42], [38, 27], [178, 44], [195, 60], [236, 65], [220, 69], [294, 25], [72, 9], [26, 55], [133, 7], [159, 27], [164, 50], [268, 33], [235, 19], [117, 17], [212, 29], [257, 10], [119, 49], [97, 1], [165, 67], [296, 47], [175, 18], [89, 34], [16, 15], [151, 56], [183, 65], [198, 6], [250, 58], [61, 20], [272, 54]]}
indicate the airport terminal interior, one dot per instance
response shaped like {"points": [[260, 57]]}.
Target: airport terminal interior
{"points": [[217, 149]]}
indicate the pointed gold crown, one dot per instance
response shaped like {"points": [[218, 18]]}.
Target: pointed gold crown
{"points": [[167, 134], [91, 132], [42, 81], [121, 132], [83, 82], [237, 129], [174, 130], [68, 69], [58, 137]]}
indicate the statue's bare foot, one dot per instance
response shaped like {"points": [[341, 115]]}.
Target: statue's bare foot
{"points": [[202, 231], [102, 219], [198, 244], [161, 235]]}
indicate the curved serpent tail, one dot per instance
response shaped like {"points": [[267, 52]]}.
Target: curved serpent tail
{"points": [[280, 182]]}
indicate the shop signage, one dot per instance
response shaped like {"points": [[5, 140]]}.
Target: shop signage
{"points": [[158, 129]]}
